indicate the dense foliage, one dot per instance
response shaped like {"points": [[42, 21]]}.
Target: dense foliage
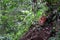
{"points": [[16, 16]]}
